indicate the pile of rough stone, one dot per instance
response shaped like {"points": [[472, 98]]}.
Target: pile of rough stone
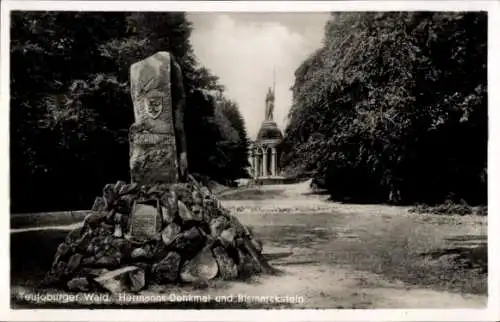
{"points": [[196, 240]]}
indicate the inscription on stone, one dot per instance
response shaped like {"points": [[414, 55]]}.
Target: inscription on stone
{"points": [[152, 139], [143, 222]]}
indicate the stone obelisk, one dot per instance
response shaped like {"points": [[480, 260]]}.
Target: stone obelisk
{"points": [[153, 149]]}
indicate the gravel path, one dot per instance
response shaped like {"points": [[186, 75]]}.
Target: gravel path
{"points": [[327, 285]]}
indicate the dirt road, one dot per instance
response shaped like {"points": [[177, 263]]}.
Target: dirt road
{"points": [[333, 255], [337, 248]]}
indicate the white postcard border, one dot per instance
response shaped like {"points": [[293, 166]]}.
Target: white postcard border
{"points": [[490, 313]]}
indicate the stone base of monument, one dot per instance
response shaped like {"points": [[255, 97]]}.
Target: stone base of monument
{"points": [[149, 235], [275, 180]]}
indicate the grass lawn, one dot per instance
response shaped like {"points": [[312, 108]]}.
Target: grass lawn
{"points": [[415, 251]]}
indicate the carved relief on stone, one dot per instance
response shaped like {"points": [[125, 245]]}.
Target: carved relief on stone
{"points": [[153, 106], [153, 158], [151, 92], [153, 144]]}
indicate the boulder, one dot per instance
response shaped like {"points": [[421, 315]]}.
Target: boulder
{"points": [[189, 242], [122, 245], [107, 261], [91, 272], [128, 189], [184, 193], [197, 198], [218, 225], [202, 267], [227, 237], [167, 214], [119, 186], [149, 251], [118, 280], [56, 274], [248, 266], [170, 233], [94, 219], [197, 212], [167, 270], [63, 250], [171, 201], [109, 195], [99, 204], [184, 212], [124, 204], [257, 244], [228, 270], [73, 263], [136, 280], [139, 253], [74, 235], [88, 261], [78, 284]]}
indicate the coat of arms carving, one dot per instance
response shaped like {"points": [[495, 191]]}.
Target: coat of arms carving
{"points": [[153, 106]]}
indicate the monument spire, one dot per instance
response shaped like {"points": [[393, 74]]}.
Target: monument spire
{"points": [[274, 80]]}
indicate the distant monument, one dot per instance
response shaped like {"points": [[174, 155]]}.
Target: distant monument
{"points": [[264, 152], [158, 152], [269, 105]]}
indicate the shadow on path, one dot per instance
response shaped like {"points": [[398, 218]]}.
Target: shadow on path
{"points": [[32, 253], [471, 252]]}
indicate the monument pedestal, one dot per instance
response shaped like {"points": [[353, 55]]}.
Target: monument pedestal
{"points": [[265, 154], [274, 180]]}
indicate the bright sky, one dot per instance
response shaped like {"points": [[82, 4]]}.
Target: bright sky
{"points": [[243, 48]]}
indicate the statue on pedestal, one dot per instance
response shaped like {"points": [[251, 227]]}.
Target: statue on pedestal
{"points": [[269, 105]]}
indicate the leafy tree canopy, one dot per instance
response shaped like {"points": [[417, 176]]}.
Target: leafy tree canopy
{"points": [[393, 107], [71, 106]]}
